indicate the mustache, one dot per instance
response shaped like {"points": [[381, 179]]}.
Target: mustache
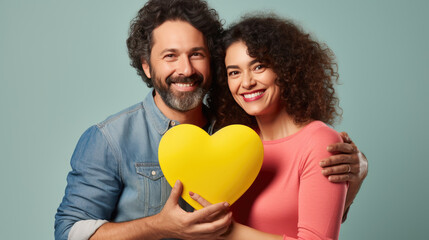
{"points": [[180, 79]]}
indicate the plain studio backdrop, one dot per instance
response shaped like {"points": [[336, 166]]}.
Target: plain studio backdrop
{"points": [[64, 67]]}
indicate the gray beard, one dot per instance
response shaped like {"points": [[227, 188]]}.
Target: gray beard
{"points": [[182, 101]]}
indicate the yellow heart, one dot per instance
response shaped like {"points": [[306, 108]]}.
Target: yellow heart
{"points": [[220, 167]]}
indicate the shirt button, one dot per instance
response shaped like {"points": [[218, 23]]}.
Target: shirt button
{"points": [[173, 123], [153, 173]]}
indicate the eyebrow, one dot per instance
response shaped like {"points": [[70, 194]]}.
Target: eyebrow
{"points": [[168, 50], [175, 50], [231, 66], [195, 49], [236, 66]]}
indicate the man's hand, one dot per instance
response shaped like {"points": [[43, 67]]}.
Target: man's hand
{"points": [[208, 223], [348, 164], [172, 222]]}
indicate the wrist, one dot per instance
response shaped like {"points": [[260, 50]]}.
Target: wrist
{"points": [[155, 226], [228, 234]]}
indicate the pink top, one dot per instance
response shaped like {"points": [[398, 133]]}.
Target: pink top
{"points": [[290, 196]]}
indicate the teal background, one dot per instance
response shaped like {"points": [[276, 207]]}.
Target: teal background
{"points": [[64, 67]]}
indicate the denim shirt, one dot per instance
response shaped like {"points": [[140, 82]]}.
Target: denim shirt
{"points": [[115, 172]]}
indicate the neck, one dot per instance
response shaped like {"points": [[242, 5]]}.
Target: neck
{"points": [[276, 126], [194, 116]]}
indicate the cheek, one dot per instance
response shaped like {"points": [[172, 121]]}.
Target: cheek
{"points": [[203, 67], [277, 92], [232, 86]]}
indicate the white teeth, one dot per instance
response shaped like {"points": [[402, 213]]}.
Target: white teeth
{"points": [[252, 95], [185, 84]]}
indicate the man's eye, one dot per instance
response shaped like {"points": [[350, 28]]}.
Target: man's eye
{"points": [[197, 54]]}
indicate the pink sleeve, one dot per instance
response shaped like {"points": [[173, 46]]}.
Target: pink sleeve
{"points": [[320, 202]]}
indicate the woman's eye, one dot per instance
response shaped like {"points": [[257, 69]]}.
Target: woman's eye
{"points": [[232, 73], [259, 67]]}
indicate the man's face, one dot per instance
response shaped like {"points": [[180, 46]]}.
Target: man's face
{"points": [[179, 65]]}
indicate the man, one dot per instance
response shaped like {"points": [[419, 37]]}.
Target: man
{"points": [[116, 189]]}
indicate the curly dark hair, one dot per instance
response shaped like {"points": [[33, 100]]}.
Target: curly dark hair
{"points": [[156, 12], [305, 71]]}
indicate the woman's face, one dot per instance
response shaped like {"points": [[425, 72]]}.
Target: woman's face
{"points": [[252, 83]]}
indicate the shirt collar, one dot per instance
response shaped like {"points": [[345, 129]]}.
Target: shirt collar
{"points": [[162, 123]]}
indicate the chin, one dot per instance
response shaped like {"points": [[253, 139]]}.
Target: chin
{"points": [[252, 112]]}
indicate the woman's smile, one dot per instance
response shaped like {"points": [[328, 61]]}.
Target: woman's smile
{"points": [[253, 96], [252, 83]]}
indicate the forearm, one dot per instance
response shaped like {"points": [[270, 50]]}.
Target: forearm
{"points": [[147, 228], [351, 195], [239, 231], [354, 186]]}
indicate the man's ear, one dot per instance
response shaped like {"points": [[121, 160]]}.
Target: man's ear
{"points": [[146, 68]]}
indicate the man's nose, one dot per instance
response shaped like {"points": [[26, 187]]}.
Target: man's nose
{"points": [[184, 67]]}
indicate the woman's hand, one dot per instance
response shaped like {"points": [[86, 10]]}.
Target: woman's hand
{"points": [[203, 202], [236, 230]]}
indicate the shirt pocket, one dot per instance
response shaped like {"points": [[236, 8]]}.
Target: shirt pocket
{"points": [[154, 190]]}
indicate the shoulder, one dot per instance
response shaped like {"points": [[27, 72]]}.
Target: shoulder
{"points": [[122, 116], [107, 132], [321, 134], [318, 137]]}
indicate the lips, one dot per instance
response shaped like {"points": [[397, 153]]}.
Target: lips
{"points": [[184, 84], [253, 96], [185, 87]]}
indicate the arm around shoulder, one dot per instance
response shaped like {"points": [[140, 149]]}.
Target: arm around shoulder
{"points": [[321, 202]]}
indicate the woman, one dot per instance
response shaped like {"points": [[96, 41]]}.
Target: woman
{"points": [[281, 83]]}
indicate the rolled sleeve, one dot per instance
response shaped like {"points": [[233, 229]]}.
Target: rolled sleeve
{"points": [[83, 230]]}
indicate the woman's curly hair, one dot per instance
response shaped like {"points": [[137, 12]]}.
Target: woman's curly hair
{"points": [[156, 12], [305, 71]]}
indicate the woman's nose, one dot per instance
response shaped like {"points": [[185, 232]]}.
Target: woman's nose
{"points": [[248, 81]]}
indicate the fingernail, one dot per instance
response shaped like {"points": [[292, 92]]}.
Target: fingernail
{"points": [[226, 204], [177, 183], [322, 163], [191, 193], [329, 148]]}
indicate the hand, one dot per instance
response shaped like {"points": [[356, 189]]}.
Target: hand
{"points": [[207, 223], [348, 163], [204, 203]]}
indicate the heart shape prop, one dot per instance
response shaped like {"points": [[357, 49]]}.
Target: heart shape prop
{"points": [[219, 168]]}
